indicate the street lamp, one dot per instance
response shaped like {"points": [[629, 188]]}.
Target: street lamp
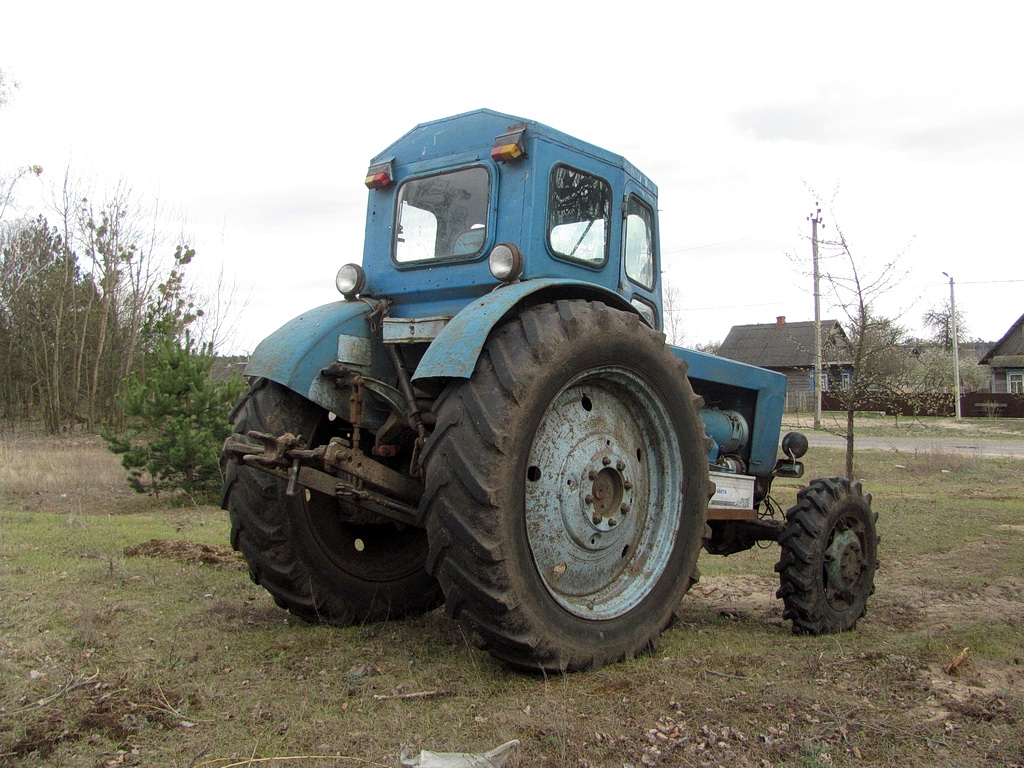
{"points": [[956, 351]]}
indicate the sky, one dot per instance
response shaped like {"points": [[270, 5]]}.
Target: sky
{"points": [[252, 125]]}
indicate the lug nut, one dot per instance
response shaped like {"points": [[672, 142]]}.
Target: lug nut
{"points": [[596, 519], [627, 485], [589, 499], [624, 509], [606, 461], [592, 475], [620, 465], [612, 522]]}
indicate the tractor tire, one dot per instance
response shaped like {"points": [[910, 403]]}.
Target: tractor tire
{"points": [[567, 489], [829, 557], [315, 565]]}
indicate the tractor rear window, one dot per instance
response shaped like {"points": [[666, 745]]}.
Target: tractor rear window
{"points": [[442, 216], [579, 216], [639, 248]]}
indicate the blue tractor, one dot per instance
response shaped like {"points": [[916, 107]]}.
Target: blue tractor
{"points": [[491, 420]]}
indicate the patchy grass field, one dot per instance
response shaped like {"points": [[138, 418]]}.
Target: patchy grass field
{"points": [[131, 635]]}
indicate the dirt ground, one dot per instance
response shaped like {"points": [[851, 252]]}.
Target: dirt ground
{"points": [[162, 652], [908, 598]]}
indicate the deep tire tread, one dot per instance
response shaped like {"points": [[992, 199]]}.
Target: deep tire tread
{"points": [[809, 524], [465, 459], [266, 529]]}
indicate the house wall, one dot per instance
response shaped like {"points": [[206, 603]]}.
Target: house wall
{"points": [[799, 394], [1007, 380]]}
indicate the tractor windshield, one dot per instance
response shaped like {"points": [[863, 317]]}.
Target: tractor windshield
{"points": [[442, 216]]}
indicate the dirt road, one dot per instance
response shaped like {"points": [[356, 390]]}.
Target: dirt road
{"points": [[975, 446]]}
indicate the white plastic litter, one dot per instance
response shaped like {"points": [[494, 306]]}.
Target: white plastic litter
{"points": [[493, 759]]}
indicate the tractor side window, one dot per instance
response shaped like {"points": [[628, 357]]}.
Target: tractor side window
{"points": [[579, 214], [442, 216], [639, 245]]}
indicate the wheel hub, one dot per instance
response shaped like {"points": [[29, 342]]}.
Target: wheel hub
{"points": [[606, 495], [844, 562]]}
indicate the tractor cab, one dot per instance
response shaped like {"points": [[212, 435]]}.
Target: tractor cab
{"points": [[460, 205]]}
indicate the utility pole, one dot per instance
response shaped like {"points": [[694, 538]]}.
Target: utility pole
{"points": [[956, 349], [815, 220]]}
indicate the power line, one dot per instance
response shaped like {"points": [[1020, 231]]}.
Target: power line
{"points": [[733, 306], [989, 282], [710, 245]]}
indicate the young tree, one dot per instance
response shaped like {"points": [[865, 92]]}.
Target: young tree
{"points": [[874, 339], [177, 415], [178, 420]]}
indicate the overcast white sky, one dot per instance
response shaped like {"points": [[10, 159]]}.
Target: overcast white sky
{"points": [[257, 120]]}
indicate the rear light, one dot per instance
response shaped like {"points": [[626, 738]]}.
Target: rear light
{"points": [[509, 145], [350, 281], [506, 262], [379, 175]]}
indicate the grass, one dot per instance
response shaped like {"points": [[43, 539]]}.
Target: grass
{"points": [[163, 654]]}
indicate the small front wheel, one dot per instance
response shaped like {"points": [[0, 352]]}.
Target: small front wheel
{"points": [[829, 557]]}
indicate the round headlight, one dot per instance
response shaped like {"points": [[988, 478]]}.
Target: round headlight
{"points": [[794, 444], [350, 280], [506, 262]]}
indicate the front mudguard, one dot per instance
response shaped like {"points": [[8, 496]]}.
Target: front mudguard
{"points": [[297, 353]]}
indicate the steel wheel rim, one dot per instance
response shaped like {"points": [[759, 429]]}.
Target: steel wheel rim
{"points": [[603, 493], [843, 566]]}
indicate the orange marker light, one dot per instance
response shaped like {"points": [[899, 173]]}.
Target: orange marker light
{"points": [[505, 152], [509, 145]]}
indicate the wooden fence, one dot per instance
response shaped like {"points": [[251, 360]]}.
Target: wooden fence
{"points": [[973, 405]]}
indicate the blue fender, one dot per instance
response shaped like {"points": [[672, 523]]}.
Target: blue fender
{"points": [[453, 354], [294, 354]]}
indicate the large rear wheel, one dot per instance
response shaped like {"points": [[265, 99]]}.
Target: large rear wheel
{"points": [[567, 488], [303, 549]]}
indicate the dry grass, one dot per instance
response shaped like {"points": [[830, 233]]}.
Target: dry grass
{"points": [[67, 474], [115, 650]]}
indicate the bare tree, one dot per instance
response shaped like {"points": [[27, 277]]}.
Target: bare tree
{"points": [[939, 321], [874, 339], [672, 313]]}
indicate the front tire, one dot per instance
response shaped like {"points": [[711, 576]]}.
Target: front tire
{"points": [[301, 549], [567, 489], [829, 557]]}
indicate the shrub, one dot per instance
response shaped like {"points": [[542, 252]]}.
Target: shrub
{"points": [[176, 418]]}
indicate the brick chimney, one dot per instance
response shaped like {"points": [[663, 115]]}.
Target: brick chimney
{"points": [[780, 321]]}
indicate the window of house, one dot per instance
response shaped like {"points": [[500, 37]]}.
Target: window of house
{"points": [[442, 216], [579, 215], [1015, 382]]}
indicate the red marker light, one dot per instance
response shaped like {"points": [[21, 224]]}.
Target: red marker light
{"points": [[379, 175]]}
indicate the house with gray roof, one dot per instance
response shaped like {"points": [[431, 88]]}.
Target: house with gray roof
{"points": [[789, 349], [1006, 359]]}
